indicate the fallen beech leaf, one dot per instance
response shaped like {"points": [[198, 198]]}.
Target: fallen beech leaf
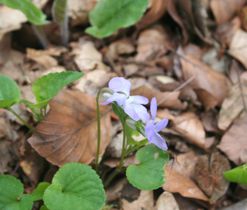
{"points": [[224, 10], [144, 202], [151, 44], [78, 10], [209, 175], [166, 201], [10, 19], [87, 57], [189, 126], [178, 183], [238, 47], [45, 57], [185, 163], [233, 105], [165, 99], [233, 143], [210, 86], [69, 133], [155, 12]]}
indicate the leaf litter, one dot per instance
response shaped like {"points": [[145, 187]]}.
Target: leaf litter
{"points": [[179, 65]]}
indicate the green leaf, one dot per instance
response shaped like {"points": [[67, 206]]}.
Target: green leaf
{"points": [[38, 193], [9, 92], [48, 86], [11, 194], [238, 175], [33, 14], [75, 186], [110, 15], [43, 208], [119, 112], [149, 173]]}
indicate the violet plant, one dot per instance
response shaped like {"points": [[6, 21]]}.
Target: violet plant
{"points": [[135, 117]]}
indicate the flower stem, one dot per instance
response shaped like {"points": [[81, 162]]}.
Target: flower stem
{"points": [[121, 163], [31, 128], [98, 132]]}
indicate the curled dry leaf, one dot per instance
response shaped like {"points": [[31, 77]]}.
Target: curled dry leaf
{"points": [[190, 127], [178, 183], [224, 10], [165, 99], [69, 133], [151, 44], [166, 201], [210, 86], [234, 143], [144, 202], [45, 57], [155, 12], [209, 175], [238, 48], [10, 19], [185, 163], [78, 10], [87, 57], [234, 104]]}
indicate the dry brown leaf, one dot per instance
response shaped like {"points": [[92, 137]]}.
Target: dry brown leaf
{"points": [[144, 202], [92, 81], [209, 175], [224, 10], [155, 12], [165, 99], [87, 57], [178, 183], [69, 133], [234, 104], [10, 20], [152, 43], [210, 86], [78, 10], [238, 47], [190, 127], [166, 201], [119, 47], [185, 163], [234, 143], [45, 57]]}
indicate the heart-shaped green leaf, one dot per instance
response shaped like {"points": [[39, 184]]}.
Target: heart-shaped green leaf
{"points": [[238, 175], [9, 92], [110, 15], [38, 193], [11, 194], [149, 173], [33, 14], [48, 86], [75, 186]]}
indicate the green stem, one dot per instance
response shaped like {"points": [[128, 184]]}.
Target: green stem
{"points": [[98, 132], [121, 163], [21, 119]]}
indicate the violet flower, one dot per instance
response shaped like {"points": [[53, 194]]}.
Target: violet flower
{"points": [[132, 105], [153, 128]]}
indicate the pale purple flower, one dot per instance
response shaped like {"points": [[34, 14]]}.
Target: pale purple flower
{"points": [[153, 128], [132, 105]]}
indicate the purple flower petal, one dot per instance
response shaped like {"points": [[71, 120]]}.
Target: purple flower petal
{"points": [[142, 112], [119, 84], [129, 110], [157, 140], [161, 125], [117, 97], [139, 99], [153, 108]]}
